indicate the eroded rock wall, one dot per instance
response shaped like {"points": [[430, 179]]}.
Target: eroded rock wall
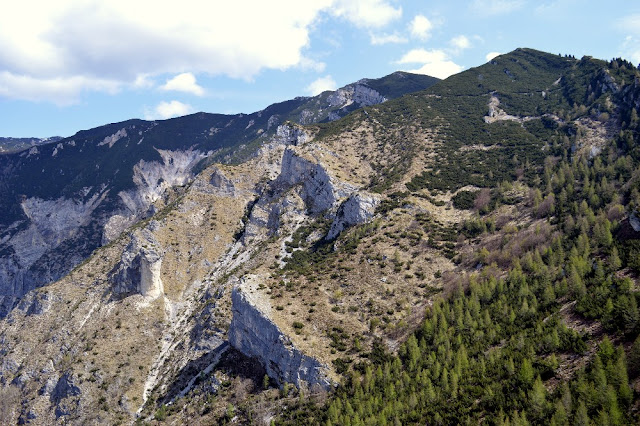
{"points": [[254, 334], [358, 208], [139, 268]]}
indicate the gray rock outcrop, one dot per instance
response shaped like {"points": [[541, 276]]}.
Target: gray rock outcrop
{"points": [[64, 388], [359, 94], [318, 190], [366, 96], [221, 184], [139, 268], [31, 245], [254, 334], [65, 396], [357, 209], [151, 179], [288, 134]]}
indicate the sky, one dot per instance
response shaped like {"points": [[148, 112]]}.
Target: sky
{"points": [[69, 65]]}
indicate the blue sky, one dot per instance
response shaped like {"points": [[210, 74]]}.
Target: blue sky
{"points": [[68, 65]]}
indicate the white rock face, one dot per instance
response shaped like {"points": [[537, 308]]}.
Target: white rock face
{"points": [[366, 96], [318, 189], [152, 179], [254, 334], [110, 140], [302, 188], [273, 121], [357, 209], [150, 281], [139, 267], [55, 150], [290, 135], [51, 222], [359, 94], [268, 214], [33, 258], [222, 185], [115, 225]]}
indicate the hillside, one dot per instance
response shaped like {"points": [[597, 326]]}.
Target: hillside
{"points": [[62, 200], [464, 254]]}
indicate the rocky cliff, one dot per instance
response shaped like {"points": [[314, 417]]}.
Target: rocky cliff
{"points": [[53, 236], [163, 291], [253, 333], [358, 208], [140, 266]]}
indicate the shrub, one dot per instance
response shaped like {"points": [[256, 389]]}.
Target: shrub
{"points": [[463, 200]]}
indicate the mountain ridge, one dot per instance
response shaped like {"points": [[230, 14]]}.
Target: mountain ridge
{"points": [[108, 177], [449, 256]]}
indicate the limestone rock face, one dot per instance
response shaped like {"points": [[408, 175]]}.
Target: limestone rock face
{"points": [[57, 234], [360, 94], [222, 185], [64, 388], [151, 179], [291, 135], [64, 396], [33, 244], [304, 187], [36, 303], [357, 209], [139, 267], [366, 96], [254, 334], [318, 190]]}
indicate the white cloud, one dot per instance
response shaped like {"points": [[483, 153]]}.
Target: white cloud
{"points": [[185, 82], [422, 55], [630, 49], [380, 39], [367, 13], [435, 62], [143, 81], [489, 56], [321, 84], [165, 110], [496, 7], [460, 43], [62, 91], [421, 27], [441, 70], [630, 24], [118, 41], [311, 64]]}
